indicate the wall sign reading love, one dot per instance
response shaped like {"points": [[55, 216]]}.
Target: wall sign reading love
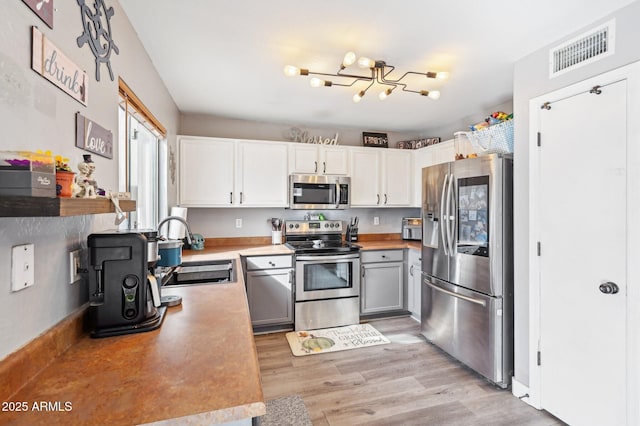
{"points": [[48, 61], [92, 137]]}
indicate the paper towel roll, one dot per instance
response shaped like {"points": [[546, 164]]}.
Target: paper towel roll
{"points": [[155, 292], [176, 229]]}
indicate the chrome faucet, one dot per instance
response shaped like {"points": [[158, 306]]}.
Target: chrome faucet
{"points": [[189, 235]]}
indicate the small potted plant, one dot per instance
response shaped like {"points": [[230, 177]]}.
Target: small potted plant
{"points": [[64, 177]]}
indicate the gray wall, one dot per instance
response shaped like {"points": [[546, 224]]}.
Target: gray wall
{"points": [[256, 222], [37, 115], [531, 80], [223, 127]]}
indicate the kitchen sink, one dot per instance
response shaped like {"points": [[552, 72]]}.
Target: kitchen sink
{"points": [[203, 272]]}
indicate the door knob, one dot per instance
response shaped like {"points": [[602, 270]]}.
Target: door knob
{"points": [[609, 288]]}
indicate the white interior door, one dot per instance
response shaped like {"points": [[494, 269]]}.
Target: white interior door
{"points": [[582, 217]]}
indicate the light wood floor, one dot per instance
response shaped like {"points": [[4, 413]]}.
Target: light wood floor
{"points": [[408, 382]]}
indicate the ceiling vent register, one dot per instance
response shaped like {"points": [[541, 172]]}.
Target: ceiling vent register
{"points": [[584, 49]]}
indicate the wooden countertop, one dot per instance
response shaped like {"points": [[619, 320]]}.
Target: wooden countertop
{"points": [[199, 367], [389, 245], [227, 250]]}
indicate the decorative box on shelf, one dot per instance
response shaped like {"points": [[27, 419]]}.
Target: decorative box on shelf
{"points": [[418, 143], [27, 173]]}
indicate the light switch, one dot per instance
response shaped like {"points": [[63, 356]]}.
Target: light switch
{"points": [[22, 266]]}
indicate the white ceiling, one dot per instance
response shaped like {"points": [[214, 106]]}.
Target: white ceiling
{"points": [[226, 58]]}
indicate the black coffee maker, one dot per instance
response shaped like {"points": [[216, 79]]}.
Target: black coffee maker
{"points": [[123, 292]]}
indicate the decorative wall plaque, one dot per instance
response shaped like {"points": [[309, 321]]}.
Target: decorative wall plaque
{"points": [[48, 61], [42, 8], [92, 137], [379, 140], [97, 33]]}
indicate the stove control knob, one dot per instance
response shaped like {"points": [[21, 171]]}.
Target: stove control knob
{"points": [[326, 225], [291, 226], [333, 225], [297, 225]]}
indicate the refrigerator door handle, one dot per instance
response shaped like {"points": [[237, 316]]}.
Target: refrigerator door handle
{"points": [[456, 295], [453, 218], [444, 218], [450, 223]]}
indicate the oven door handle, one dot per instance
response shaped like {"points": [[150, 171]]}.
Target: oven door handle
{"points": [[330, 257]]}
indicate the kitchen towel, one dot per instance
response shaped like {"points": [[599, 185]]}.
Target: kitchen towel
{"points": [[334, 339]]}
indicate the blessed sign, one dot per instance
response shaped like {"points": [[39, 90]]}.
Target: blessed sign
{"points": [[303, 136], [48, 61], [92, 137]]}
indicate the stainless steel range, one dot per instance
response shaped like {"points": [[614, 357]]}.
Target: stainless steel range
{"points": [[327, 274]]}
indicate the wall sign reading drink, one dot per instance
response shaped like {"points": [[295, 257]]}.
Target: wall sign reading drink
{"points": [[48, 61], [92, 137]]}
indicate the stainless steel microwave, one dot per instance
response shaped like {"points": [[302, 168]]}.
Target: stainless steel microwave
{"points": [[319, 192]]}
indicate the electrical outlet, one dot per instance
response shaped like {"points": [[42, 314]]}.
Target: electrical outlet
{"points": [[238, 223], [74, 266], [376, 220], [22, 266]]}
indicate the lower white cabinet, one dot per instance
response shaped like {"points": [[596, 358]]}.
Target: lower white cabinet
{"points": [[270, 290], [381, 285], [414, 283]]}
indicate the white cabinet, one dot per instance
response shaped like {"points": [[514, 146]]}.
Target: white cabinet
{"points": [[215, 172], [414, 283], [381, 177], [397, 178], [381, 286], [442, 152], [270, 290], [206, 171], [365, 177], [262, 174], [318, 159]]}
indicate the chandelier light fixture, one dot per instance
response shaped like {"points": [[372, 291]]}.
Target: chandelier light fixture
{"points": [[379, 73]]}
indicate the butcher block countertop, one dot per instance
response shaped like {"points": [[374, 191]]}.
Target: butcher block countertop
{"points": [[260, 246], [200, 367]]}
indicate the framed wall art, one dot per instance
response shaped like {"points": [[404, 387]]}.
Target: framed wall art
{"points": [[377, 140]]}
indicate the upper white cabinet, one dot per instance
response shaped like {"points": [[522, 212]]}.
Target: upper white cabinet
{"points": [[442, 152], [397, 179], [262, 174], [318, 159], [381, 177], [206, 171], [215, 172]]}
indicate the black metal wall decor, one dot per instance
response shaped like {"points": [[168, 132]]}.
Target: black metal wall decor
{"points": [[97, 33]]}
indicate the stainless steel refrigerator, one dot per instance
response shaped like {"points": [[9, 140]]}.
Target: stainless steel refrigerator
{"points": [[467, 263]]}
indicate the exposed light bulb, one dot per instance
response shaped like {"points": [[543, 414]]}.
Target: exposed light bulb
{"points": [[349, 59], [290, 70], [316, 82], [442, 75], [434, 94], [358, 96], [383, 95], [365, 62]]}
